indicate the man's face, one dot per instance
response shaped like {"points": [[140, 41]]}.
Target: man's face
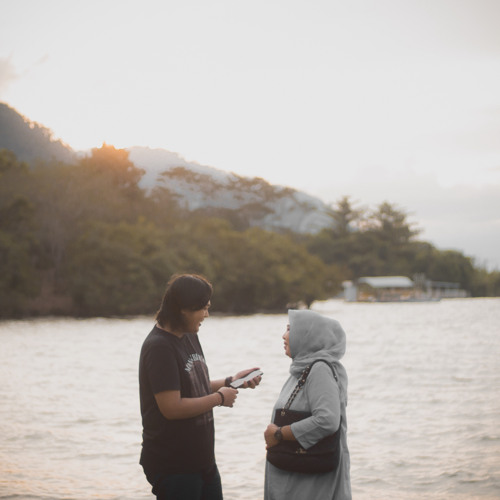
{"points": [[194, 319]]}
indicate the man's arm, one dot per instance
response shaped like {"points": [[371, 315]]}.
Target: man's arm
{"points": [[215, 385], [173, 407], [251, 384]]}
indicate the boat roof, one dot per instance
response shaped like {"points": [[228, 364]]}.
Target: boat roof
{"points": [[387, 281]]}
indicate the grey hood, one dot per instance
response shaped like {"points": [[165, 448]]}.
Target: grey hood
{"points": [[312, 337]]}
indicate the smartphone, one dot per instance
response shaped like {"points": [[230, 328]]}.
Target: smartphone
{"points": [[240, 381]]}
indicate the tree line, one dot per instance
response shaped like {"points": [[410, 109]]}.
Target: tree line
{"points": [[84, 239]]}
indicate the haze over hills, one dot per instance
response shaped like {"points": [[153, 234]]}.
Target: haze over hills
{"points": [[196, 186], [202, 187]]}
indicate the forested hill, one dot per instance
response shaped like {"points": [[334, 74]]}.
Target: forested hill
{"points": [[30, 141], [252, 200], [196, 187], [85, 238]]}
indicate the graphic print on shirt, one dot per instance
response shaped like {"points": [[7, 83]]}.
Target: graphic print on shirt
{"points": [[197, 371]]}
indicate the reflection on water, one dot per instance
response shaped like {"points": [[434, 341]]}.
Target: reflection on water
{"points": [[423, 402]]}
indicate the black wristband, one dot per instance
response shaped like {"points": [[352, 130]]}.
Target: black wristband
{"points": [[228, 381], [221, 397]]}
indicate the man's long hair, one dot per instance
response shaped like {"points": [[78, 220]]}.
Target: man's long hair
{"points": [[184, 291]]}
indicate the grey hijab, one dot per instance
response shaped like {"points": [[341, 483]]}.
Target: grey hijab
{"points": [[312, 337]]}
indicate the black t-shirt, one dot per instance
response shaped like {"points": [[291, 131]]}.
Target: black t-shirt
{"points": [[168, 362]]}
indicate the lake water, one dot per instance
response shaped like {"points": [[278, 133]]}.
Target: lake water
{"points": [[423, 413]]}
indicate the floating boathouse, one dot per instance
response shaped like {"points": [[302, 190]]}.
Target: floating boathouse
{"points": [[399, 289]]}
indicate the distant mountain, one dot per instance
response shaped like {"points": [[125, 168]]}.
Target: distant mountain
{"points": [[197, 187], [200, 187], [30, 141]]}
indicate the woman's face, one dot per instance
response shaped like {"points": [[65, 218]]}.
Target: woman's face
{"points": [[194, 319], [286, 338]]}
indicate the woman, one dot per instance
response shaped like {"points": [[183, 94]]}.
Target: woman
{"points": [[309, 337], [177, 397]]}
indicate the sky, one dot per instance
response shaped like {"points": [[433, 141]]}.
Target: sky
{"points": [[378, 100]]}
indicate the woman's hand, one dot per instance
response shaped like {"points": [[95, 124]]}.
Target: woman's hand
{"points": [[250, 384], [269, 436]]}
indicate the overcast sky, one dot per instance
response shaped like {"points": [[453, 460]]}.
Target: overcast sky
{"points": [[381, 100]]}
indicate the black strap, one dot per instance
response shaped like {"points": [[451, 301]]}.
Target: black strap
{"points": [[331, 368], [303, 378]]}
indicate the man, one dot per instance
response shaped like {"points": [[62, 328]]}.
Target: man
{"points": [[177, 396]]}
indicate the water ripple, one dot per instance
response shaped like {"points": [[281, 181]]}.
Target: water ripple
{"points": [[423, 402]]}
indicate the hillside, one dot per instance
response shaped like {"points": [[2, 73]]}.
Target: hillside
{"points": [[30, 141], [197, 187], [200, 187]]}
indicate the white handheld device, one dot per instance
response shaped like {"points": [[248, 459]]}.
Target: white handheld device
{"points": [[240, 381]]}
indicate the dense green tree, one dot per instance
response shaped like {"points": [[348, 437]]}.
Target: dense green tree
{"points": [[346, 217], [19, 251], [392, 224], [162, 208], [254, 269], [337, 244], [116, 165], [9, 162], [366, 243], [119, 269], [101, 187], [19, 277], [452, 266], [485, 284], [391, 239], [85, 239]]}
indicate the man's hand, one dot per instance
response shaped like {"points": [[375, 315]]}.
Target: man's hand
{"points": [[250, 384], [230, 396]]}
